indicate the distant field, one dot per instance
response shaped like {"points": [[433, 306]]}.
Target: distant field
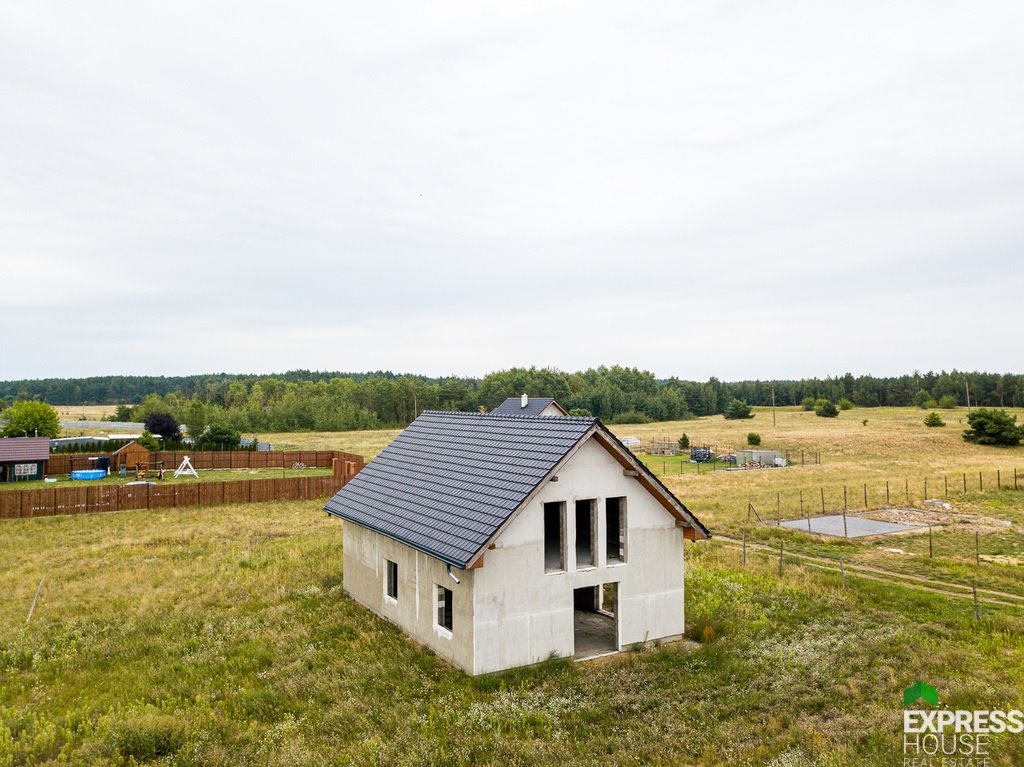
{"points": [[84, 412], [222, 636]]}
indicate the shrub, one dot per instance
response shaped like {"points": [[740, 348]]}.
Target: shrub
{"points": [[163, 424], [630, 416], [737, 409], [826, 409], [948, 401], [148, 441], [845, 404], [221, 436], [993, 427], [933, 419], [922, 398], [580, 411], [753, 439], [807, 403], [684, 442]]}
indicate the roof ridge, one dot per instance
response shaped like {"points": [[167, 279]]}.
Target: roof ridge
{"points": [[521, 416]]}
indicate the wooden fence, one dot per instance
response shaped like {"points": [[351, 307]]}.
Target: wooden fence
{"points": [[46, 502], [227, 459]]}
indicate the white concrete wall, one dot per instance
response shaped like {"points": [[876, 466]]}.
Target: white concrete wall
{"points": [[418, 575], [522, 614]]}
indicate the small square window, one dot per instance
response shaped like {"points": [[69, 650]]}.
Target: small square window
{"points": [[444, 607], [391, 579]]}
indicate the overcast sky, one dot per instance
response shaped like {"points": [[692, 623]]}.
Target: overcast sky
{"points": [[745, 190]]}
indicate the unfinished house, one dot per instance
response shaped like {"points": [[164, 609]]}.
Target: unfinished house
{"points": [[500, 541], [529, 406]]}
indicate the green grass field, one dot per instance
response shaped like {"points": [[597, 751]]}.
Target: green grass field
{"points": [[222, 636], [205, 475]]}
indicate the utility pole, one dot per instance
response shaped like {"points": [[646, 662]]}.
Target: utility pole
{"points": [[967, 386]]}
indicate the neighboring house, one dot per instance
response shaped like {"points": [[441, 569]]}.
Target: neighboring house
{"points": [[23, 458], [529, 406], [498, 541]]}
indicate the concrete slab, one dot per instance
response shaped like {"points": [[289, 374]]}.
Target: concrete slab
{"points": [[595, 634], [856, 527]]}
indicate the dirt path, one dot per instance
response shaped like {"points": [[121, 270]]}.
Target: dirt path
{"points": [[987, 596]]}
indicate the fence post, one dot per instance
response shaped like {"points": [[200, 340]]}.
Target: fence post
{"points": [[846, 535], [1015, 479], [865, 495], [886, 492], [906, 488], [999, 479], [782, 545], [926, 487], [846, 504], [823, 500], [981, 482], [965, 481], [930, 549], [945, 478]]}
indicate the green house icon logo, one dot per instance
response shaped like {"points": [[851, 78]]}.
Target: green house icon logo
{"points": [[920, 691]]}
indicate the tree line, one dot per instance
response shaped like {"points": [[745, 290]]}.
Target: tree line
{"points": [[325, 401]]}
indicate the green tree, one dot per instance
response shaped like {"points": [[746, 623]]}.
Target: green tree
{"points": [[164, 425], [30, 418], [753, 439], [921, 398], [933, 419], [195, 420], [993, 427], [148, 441], [684, 442], [845, 404], [948, 401], [826, 409], [121, 413], [221, 436], [807, 403], [737, 409]]}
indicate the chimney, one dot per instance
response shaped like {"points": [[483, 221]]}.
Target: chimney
{"points": [[524, 401]]}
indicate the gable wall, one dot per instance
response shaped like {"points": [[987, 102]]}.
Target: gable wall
{"points": [[523, 614], [418, 575]]}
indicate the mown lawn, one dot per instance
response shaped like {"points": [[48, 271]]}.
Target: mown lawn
{"points": [[205, 475], [222, 636]]}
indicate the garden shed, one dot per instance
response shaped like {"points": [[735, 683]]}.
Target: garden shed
{"points": [[23, 458]]}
